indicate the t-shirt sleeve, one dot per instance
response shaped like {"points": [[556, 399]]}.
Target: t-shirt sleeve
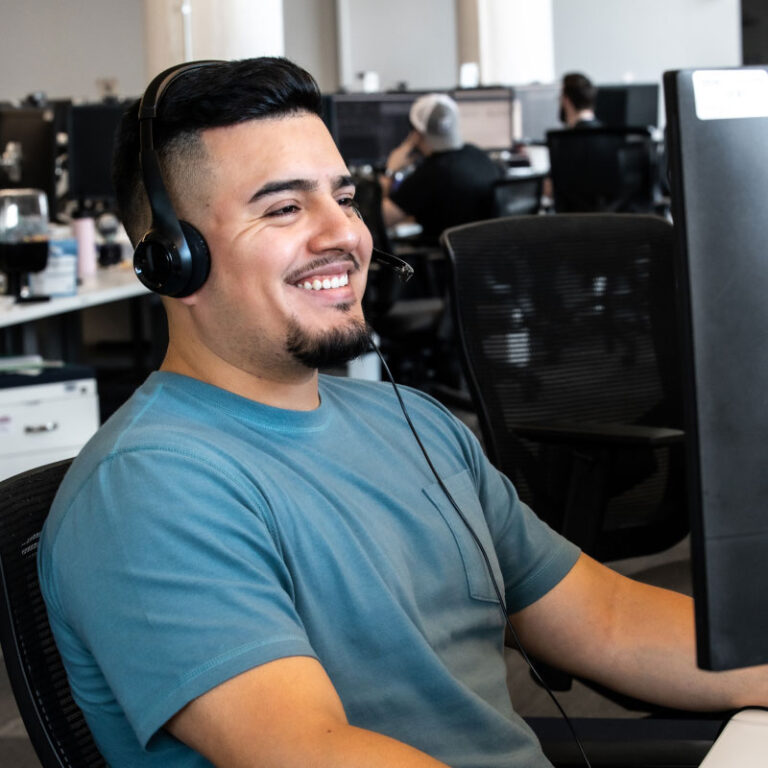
{"points": [[186, 589], [532, 556]]}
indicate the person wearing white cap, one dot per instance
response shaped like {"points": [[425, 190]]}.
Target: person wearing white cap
{"points": [[452, 183]]}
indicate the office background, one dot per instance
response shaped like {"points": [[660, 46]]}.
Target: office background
{"points": [[78, 48], [67, 48]]}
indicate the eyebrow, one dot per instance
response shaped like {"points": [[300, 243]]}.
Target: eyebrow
{"points": [[300, 185]]}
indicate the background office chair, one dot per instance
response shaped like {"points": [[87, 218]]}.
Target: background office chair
{"points": [[567, 335], [55, 724], [517, 195], [611, 170], [409, 318]]}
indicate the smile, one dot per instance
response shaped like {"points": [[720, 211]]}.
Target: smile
{"points": [[325, 283]]}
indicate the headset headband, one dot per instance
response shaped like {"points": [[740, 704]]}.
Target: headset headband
{"points": [[159, 200]]}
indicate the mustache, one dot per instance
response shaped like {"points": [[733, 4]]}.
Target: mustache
{"points": [[322, 261]]}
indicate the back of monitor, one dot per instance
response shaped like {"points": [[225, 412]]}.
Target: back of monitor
{"points": [[717, 123]]}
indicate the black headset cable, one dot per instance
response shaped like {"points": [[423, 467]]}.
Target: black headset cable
{"points": [[496, 588]]}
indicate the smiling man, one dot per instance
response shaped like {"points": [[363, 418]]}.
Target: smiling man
{"points": [[252, 564]]}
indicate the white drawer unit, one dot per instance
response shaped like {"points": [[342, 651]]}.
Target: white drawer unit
{"points": [[45, 421]]}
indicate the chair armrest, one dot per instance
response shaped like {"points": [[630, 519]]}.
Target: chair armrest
{"points": [[598, 433], [628, 742]]}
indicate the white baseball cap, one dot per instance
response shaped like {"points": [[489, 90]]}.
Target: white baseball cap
{"points": [[437, 117]]}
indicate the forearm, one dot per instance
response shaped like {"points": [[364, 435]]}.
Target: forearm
{"points": [[635, 639], [285, 714], [653, 657], [335, 746]]}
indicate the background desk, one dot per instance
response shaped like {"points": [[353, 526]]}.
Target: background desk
{"points": [[55, 330], [109, 284]]}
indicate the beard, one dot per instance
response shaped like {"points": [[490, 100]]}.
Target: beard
{"points": [[330, 349]]}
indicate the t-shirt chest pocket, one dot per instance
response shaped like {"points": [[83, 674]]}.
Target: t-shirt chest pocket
{"points": [[463, 492]]}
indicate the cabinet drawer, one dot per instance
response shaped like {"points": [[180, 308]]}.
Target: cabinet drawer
{"points": [[48, 424]]}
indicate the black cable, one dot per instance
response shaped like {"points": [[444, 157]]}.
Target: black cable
{"points": [[497, 590]]}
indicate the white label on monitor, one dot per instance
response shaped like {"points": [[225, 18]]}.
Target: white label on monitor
{"points": [[728, 94]]}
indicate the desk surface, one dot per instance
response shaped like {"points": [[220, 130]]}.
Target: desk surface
{"points": [[109, 284]]}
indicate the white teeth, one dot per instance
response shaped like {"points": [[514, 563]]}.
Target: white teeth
{"points": [[338, 281]]}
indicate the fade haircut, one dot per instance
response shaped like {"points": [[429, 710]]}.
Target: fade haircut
{"points": [[578, 89], [214, 96]]}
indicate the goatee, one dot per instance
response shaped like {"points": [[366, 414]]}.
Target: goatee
{"points": [[330, 349]]}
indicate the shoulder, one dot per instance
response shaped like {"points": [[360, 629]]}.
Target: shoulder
{"points": [[165, 442]]}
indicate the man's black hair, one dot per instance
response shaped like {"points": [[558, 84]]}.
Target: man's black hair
{"points": [[213, 96], [578, 89]]}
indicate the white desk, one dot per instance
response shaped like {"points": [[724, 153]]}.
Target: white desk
{"points": [[109, 284], [743, 742]]}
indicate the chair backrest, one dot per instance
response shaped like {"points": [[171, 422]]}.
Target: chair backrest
{"points": [[570, 319], [518, 195], [610, 170], [56, 726]]}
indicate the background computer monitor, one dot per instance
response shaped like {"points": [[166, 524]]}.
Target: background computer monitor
{"points": [[486, 117], [33, 129], [90, 142], [536, 112], [368, 126], [633, 104], [717, 121]]}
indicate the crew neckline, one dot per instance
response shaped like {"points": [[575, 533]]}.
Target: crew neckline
{"points": [[266, 416]]}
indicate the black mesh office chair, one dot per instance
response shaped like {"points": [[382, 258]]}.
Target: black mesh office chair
{"points": [[518, 195], [567, 333], [55, 724], [610, 170]]}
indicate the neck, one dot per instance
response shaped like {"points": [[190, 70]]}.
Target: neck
{"points": [[295, 390], [582, 114]]}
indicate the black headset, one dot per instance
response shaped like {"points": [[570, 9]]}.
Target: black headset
{"points": [[172, 257]]}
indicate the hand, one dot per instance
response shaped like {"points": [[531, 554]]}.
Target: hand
{"points": [[400, 156]]}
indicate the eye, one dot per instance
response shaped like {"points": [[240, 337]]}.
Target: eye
{"points": [[284, 210], [347, 201]]}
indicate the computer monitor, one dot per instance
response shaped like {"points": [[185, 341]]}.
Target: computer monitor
{"points": [[90, 143], [28, 146], [368, 126], [535, 112], [717, 121], [633, 104], [485, 115]]}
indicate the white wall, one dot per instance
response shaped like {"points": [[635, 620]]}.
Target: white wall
{"points": [[63, 46], [211, 29], [413, 41], [616, 40], [310, 39], [516, 41]]}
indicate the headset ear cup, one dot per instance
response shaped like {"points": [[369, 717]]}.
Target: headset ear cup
{"points": [[200, 264]]}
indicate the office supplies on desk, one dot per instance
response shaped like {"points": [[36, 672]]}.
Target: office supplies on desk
{"points": [[23, 236], [59, 278]]}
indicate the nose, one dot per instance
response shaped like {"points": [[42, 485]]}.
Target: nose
{"points": [[337, 228]]}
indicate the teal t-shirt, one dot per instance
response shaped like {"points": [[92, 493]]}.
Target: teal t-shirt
{"points": [[200, 534]]}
